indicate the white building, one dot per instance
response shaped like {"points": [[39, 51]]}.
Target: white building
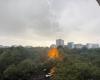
{"points": [[60, 42], [90, 45]]}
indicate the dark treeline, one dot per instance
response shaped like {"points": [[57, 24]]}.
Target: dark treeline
{"points": [[24, 63], [21, 62], [79, 64]]}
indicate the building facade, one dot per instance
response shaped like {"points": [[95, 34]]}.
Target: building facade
{"points": [[90, 45], [71, 45], [79, 46], [59, 42]]}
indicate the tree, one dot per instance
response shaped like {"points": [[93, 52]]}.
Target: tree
{"points": [[25, 69], [11, 73]]}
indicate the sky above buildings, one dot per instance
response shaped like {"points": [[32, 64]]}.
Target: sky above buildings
{"points": [[40, 22]]}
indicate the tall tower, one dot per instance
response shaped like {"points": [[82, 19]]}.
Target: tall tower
{"points": [[59, 42]]}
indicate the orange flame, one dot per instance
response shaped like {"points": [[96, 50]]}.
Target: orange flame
{"points": [[53, 53]]}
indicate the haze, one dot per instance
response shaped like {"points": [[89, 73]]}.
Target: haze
{"points": [[40, 22]]}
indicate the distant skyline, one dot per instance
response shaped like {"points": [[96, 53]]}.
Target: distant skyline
{"points": [[41, 22]]}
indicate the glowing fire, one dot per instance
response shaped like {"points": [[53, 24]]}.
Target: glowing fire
{"points": [[53, 53]]}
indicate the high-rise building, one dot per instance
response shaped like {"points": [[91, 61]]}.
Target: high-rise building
{"points": [[71, 45], [59, 42]]}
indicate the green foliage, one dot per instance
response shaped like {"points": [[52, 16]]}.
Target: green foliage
{"points": [[25, 69], [19, 62], [79, 65], [23, 63], [11, 72]]}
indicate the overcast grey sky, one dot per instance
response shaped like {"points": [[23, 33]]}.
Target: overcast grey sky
{"points": [[40, 22]]}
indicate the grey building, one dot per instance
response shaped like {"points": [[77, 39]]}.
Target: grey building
{"points": [[79, 46], [71, 45], [60, 42], [91, 45]]}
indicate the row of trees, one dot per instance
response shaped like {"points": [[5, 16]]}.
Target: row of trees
{"points": [[21, 63], [79, 64], [24, 63]]}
